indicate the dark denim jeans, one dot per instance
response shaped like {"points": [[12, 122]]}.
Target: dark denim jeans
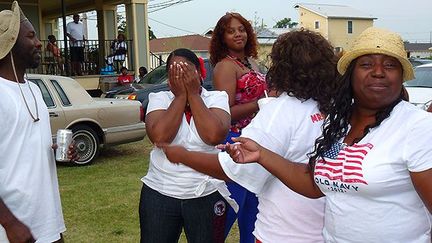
{"points": [[162, 218]]}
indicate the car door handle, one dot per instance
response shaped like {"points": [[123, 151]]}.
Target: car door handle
{"points": [[53, 114]]}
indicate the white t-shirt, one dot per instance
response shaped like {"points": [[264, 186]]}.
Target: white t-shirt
{"points": [[178, 180], [28, 176], [76, 30], [288, 127], [369, 192]]}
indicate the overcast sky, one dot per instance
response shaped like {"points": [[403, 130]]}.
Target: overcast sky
{"points": [[410, 18]]}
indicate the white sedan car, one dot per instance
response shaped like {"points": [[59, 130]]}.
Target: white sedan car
{"points": [[93, 121], [420, 88]]}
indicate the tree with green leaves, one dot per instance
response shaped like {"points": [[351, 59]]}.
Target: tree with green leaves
{"points": [[285, 23], [122, 27]]}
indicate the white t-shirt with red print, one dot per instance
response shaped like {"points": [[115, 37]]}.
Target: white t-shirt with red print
{"points": [[369, 193], [178, 180], [288, 127]]}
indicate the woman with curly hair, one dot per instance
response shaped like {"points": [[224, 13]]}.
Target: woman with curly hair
{"points": [[303, 72], [373, 162], [233, 48]]}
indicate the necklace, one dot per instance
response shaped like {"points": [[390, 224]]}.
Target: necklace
{"points": [[35, 119], [245, 62]]}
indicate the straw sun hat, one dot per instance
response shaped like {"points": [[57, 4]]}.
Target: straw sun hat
{"points": [[377, 41], [9, 28]]}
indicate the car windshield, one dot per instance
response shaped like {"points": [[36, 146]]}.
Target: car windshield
{"points": [[423, 78], [156, 76]]}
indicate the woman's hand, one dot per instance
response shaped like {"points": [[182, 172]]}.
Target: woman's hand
{"points": [[175, 80], [174, 153], [191, 79], [243, 151]]}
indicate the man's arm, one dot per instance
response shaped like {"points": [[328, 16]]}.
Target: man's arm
{"points": [[16, 231], [68, 33]]}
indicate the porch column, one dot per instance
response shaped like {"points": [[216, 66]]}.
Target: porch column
{"points": [[137, 24], [107, 27], [50, 28]]}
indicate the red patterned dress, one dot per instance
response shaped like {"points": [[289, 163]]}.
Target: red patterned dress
{"points": [[250, 87]]}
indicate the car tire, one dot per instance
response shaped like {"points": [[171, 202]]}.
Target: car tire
{"points": [[87, 144]]}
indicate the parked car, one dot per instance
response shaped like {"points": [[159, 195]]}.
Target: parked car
{"points": [[142, 94], [93, 121], [419, 61], [156, 76], [420, 88]]}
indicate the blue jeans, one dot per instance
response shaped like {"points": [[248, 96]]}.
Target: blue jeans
{"points": [[162, 218], [248, 207]]}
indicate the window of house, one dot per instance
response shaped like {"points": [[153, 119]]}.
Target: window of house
{"points": [[350, 27], [317, 24]]}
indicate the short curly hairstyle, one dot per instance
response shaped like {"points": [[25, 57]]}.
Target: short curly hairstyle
{"points": [[218, 48], [304, 66]]}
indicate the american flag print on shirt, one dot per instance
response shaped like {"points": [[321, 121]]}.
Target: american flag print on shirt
{"points": [[344, 163]]}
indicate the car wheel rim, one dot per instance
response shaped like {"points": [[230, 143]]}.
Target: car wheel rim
{"points": [[85, 146]]}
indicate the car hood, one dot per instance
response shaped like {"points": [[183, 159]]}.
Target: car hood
{"points": [[113, 101], [419, 95]]}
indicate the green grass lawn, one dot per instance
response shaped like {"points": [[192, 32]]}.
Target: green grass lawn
{"points": [[100, 201]]}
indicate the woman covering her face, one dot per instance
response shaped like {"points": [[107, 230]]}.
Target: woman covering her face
{"points": [[176, 197]]}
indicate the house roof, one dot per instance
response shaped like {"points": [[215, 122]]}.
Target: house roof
{"points": [[418, 46], [169, 44], [270, 32], [335, 11], [269, 35]]}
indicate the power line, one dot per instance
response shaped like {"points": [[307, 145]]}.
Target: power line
{"points": [[172, 26], [167, 4], [156, 5]]}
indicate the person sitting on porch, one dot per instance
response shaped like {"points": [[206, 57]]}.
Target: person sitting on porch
{"points": [[124, 78], [119, 50], [142, 71], [54, 53]]}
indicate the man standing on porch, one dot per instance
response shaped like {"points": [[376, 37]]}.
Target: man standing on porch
{"points": [[75, 32]]}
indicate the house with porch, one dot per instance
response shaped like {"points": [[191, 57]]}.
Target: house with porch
{"points": [[46, 14], [339, 24]]}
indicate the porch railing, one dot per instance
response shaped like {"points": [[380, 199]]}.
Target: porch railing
{"points": [[94, 58], [155, 61]]}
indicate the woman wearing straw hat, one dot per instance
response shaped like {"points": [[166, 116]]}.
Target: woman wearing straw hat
{"points": [[373, 162]]}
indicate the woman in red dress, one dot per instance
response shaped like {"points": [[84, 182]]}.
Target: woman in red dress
{"points": [[233, 50]]}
